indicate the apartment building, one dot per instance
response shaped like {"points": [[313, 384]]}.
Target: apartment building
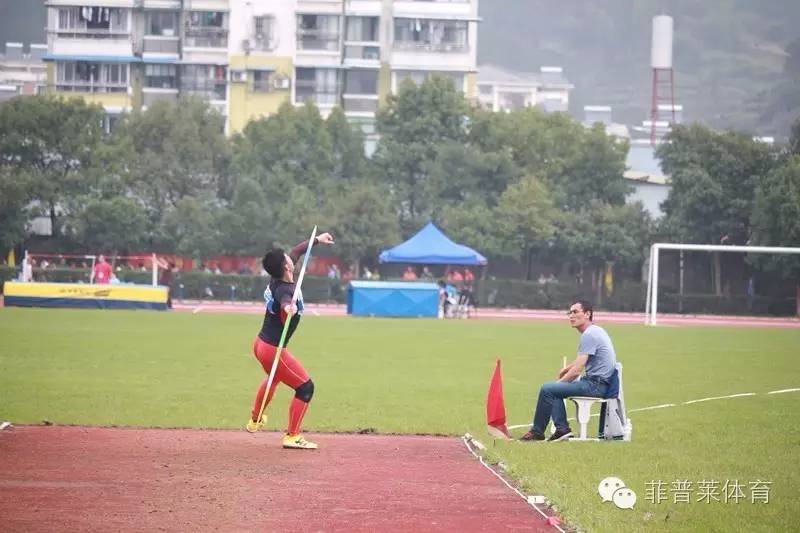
{"points": [[248, 57]]}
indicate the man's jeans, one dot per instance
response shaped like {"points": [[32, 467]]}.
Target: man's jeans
{"points": [[551, 400]]}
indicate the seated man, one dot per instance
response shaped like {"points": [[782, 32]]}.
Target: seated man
{"points": [[595, 354]]}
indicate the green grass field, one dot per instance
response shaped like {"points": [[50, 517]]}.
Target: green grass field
{"points": [[426, 376]]}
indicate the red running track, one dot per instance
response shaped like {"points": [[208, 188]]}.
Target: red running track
{"points": [[63, 478]]}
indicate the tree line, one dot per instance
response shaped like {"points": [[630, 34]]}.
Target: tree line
{"points": [[527, 185]]}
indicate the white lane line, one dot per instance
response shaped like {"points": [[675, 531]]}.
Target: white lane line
{"points": [[467, 439], [720, 397], [662, 406], [665, 405]]}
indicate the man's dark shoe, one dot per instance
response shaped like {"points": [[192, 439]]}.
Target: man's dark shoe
{"points": [[532, 435], [560, 434]]}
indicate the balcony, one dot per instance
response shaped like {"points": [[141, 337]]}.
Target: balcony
{"points": [[209, 37], [365, 52], [149, 97], [414, 46], [317, 40], [160, 45], [310, 91], [360, 104], [208, 89], [89, 86]]}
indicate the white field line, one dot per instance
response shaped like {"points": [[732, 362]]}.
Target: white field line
{"points": [[720, 397], [665, 405], [469, 438]]}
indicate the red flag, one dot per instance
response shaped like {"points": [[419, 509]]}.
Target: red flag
{"points": [[496, 406]]}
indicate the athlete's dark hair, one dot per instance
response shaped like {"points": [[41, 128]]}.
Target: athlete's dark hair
{"points": [[586, 305], [273, 262]]}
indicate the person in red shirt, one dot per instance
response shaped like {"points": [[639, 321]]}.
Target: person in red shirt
{"points": [[102, 271], [409, 274]]}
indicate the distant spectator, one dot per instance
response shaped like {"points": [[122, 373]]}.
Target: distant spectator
{"points": [[542, 279], [167, 275], [102, 271], [217, 270], [366, 274], [114, 280], [410, 274], [469, 277], [426, 273], [457, 278]]}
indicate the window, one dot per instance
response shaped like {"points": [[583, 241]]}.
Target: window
{"points": [[318, 85], [361, 82], [207, 81], [362, 29], [160, 76], [262, 81], [263, 30], [92, 22], [84, 76], [208, 29], [431, 35], [318, 32], [161, 23]]}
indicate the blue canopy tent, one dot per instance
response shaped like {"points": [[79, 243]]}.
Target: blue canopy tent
{"points": [[433, 247]]}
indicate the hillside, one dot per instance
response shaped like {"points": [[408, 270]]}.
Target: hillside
{"points": [[729, 55]]}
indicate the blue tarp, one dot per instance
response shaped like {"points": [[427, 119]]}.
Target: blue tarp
{"points": [[431, 246], [386, 298]]}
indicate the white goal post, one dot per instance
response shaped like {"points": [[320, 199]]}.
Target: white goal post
{"points": [[651, 300]]}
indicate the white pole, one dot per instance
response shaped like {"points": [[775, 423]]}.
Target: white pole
{"points": [[155, 271], [649, 288], [655, 285], [91, 273]]}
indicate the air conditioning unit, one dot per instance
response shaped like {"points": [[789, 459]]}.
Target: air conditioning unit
{"points": [[281, 83], [239, 76]]}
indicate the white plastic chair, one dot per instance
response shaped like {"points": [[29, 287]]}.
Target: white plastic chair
{"points": [[614, 422]]}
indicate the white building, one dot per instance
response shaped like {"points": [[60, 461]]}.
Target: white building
{"points": [[501, 89], [22, 73], [650, 185]]}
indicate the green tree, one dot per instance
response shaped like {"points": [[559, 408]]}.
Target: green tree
{"points": [[347, 146], [596, 172], [14, 216], [475, 224], [191, 228], [247, 225], [51, 141], [362, 222], [290, 148], [776, 219], [113, 225], [714, 176], [177, 150], [525, 215], [412, 124], [603, 234], [461, 172]]}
